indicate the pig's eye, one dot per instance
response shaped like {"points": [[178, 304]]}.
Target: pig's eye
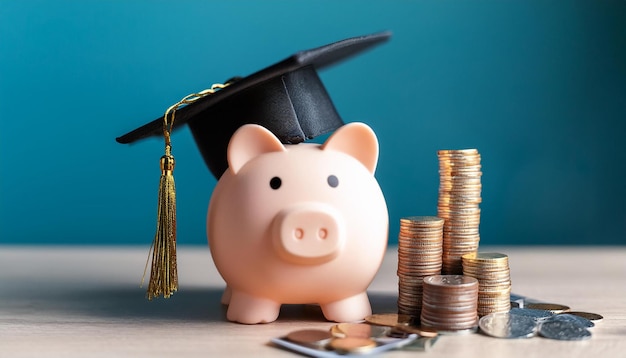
{"points": [[332, 181], [275, 183]]}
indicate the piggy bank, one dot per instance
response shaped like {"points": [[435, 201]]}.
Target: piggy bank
{"points": [[298, 224]]}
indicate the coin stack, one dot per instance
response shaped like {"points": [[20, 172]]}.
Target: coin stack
{"points": [[491, 269], [419, 255], [459, 198], [450, 303]]}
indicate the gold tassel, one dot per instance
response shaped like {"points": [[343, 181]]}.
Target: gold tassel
{"points": [[163, 270]]}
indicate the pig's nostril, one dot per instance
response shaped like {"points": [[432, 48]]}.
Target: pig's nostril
{"points": [[323, 233], [298, 233]]}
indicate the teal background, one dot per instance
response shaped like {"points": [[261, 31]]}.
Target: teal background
{"points": [[539, 87]]}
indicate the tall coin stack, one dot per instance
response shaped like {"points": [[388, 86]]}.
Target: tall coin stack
{"points": [[494, 280], [450, 303], [459, 196], [419, 255]]}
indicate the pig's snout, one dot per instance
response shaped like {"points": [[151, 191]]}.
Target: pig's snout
{"points": [[310, 233]]}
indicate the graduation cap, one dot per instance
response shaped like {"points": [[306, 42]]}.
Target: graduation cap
{"points": [[288, 98]]}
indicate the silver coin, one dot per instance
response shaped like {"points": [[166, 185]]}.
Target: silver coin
{"points": [[572, 318], [563, 330], [506, 325], [538, 315]]}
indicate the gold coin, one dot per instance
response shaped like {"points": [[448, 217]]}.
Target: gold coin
{"points": [[422, 220], [388, 319], [552, 307], [421, 232], [468, 319], [458, 208], [459, 197], [420, 256], [425, 250], [419, 330], [488, 277], [464, 152], [454, 171], [406, 272], [352, 344], [498, 305], [419, 259], [309, 336], [414, 236], [336, 332], [461, 220], [588, 315], [417, 244], [486, 257], [449, 327], [362, 330], [450, 282], [487, 267], [457, 159]]}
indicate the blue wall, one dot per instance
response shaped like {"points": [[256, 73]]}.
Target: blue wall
{"points": [[539, 87]]}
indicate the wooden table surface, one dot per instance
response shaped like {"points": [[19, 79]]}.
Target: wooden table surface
{"points": [[86, 302]]}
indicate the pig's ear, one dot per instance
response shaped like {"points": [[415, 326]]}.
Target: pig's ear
{"points": [[248, 142], [357, 140]]}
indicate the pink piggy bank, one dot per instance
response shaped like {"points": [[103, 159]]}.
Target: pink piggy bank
{"points": [[298, 224]]}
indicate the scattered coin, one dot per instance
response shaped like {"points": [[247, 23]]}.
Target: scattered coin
{"points": [[352, 344], [336, 332], [552, 307], [572, 318], [388, 319], [507, 325], [590, 316], [419, 330], [348, 345], [538, 315], [313, 337], [362, 330], [563, 330], [395, 332], [400, 324]]}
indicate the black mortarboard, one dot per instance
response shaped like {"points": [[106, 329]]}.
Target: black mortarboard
{"points": [[288, 98]]}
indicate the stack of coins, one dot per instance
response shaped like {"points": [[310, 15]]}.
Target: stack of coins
{"points": [[459, 198], [419, 255], [450, 303], [492, 272]]}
